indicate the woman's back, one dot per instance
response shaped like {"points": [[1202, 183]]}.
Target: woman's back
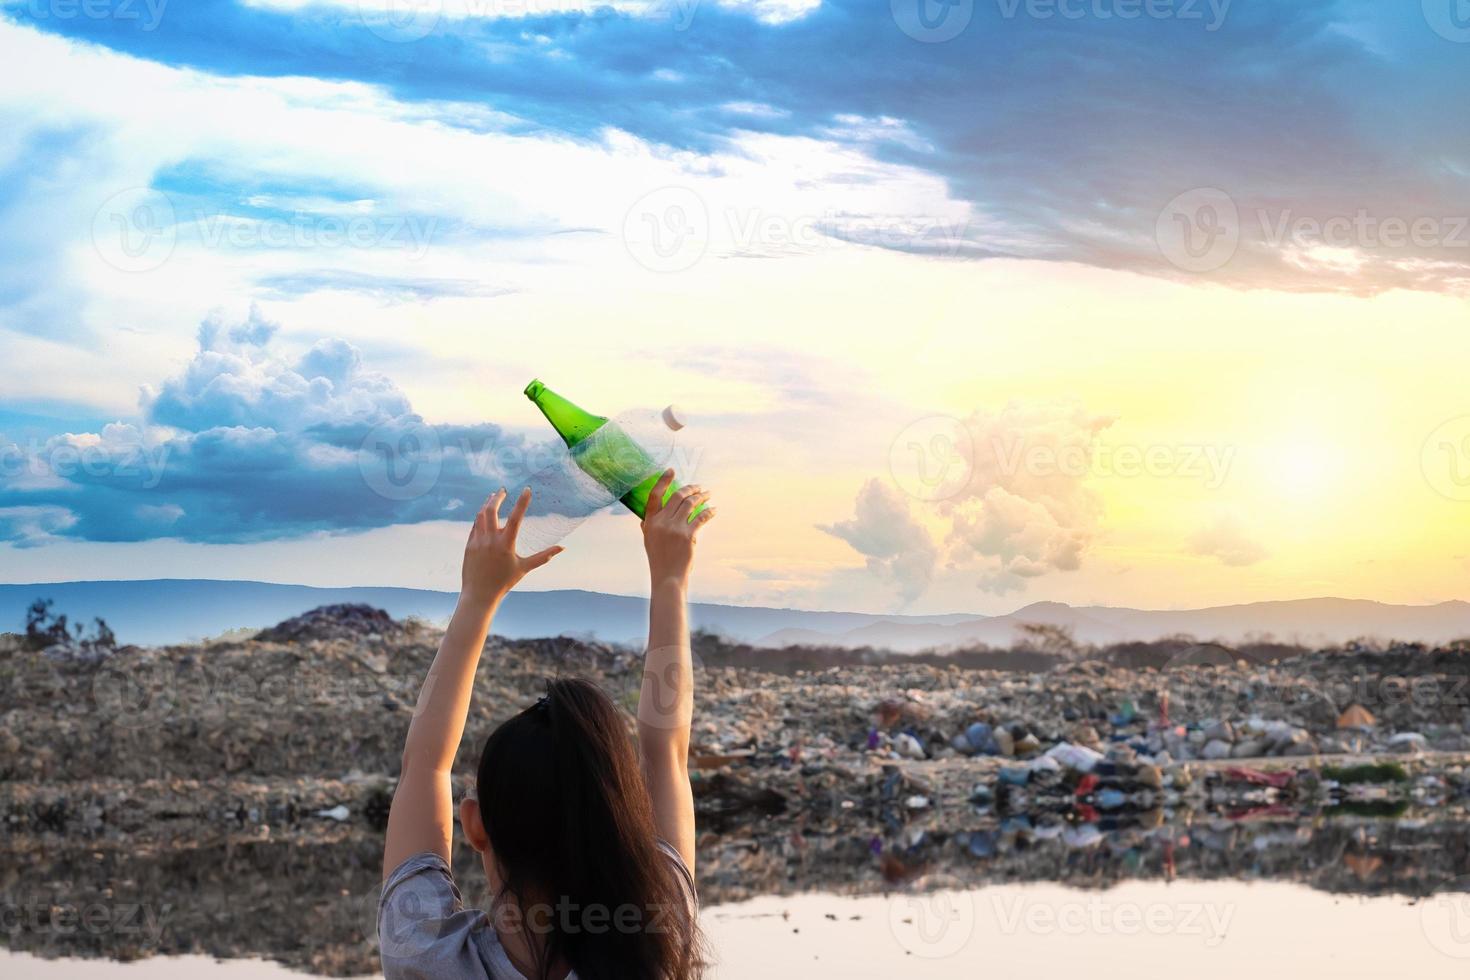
{"points": [[424, 929], [587, 844]]}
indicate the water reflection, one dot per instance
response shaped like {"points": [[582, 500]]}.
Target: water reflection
{"points": [[306, 896]]}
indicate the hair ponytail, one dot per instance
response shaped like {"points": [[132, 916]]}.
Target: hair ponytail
{"points": [[571, 824]]}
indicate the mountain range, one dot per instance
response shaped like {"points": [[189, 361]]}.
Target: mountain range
{"points": [[175, 610]]}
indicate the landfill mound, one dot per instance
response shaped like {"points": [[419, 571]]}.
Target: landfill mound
{"points": [[342, 621], [254, 775]]}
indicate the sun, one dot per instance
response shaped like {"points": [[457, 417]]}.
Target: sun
{"points": [[1304, 469]]}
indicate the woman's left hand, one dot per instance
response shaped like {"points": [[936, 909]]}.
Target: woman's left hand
{"points": [[491, 566]]}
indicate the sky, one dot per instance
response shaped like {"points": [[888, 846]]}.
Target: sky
{"points": [[967, 304]]}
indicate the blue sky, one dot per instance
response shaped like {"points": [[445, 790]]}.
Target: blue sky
{"points": [[247, 237]]}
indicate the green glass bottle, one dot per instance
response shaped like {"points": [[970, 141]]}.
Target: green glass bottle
{"points": [[614, 459]]}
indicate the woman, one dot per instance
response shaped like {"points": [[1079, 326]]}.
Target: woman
{"points": [[588, 846]]}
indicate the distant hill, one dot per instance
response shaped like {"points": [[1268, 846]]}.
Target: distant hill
{"points": [[174, 610], [158, 611], [1307, 621]]}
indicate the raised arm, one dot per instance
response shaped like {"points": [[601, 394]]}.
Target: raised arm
{"points": [[422, 815], [666, 702]]}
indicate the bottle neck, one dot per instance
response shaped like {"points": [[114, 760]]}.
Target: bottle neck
{"points": [[572, 422]]}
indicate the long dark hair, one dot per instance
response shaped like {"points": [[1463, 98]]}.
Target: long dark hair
{"points": [[570, 821]]}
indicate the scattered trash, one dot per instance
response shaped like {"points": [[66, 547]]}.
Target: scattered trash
{"points": [[1078, 757]]}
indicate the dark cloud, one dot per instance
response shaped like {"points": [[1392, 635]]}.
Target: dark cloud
{"points": [[1325, 123], [246, 444]]}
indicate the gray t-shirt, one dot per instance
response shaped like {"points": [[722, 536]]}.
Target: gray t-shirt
{"points": [[426, 933]]}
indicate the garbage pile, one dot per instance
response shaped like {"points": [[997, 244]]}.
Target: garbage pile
{"points": [[258, 772], [343, 621]]}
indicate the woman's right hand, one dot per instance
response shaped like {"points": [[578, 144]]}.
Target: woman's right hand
{"points": [[668, 531]]}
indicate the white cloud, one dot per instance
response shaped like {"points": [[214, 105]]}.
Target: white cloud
{"points": [[898, 548], [1228, 540], [418, 18], [1028, 508]]}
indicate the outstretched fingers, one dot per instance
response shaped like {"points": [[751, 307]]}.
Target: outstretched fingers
{"points": [[691, 502], [541, 557], [491, 513], [484, 520], [702, 518], [518, 512], [656, 495]]}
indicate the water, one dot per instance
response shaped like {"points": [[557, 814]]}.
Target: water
{"points": [[1199, 930], [1268, 891]]}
